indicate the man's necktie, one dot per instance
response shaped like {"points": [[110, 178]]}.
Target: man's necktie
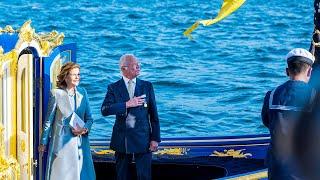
{"points": [[130, 89]]}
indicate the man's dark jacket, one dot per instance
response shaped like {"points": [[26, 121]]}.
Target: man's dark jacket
{"points": [[146, 127]]}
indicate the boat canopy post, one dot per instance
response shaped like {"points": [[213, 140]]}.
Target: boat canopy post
{"points": [[315, 44]]}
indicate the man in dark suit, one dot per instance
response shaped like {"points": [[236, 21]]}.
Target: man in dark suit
{"points": [[136, 131]]}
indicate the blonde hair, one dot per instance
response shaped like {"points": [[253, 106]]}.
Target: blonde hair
{"points": [[65, 69]]}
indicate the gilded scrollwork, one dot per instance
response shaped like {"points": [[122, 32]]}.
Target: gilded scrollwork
{"points": [[12, 56], [7, 29], [9, 167], [49, 41], [26, 32], [104, 152], [172, 151], [46, 41], [232, 153]]}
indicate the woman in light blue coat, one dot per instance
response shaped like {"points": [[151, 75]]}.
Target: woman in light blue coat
{"points": [[69, 155]]}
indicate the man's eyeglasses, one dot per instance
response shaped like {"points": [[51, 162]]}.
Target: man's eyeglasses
{"points": [[75, 75], [135, 66]]}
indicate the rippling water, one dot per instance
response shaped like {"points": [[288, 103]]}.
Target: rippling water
{"points": [[212, 85]]}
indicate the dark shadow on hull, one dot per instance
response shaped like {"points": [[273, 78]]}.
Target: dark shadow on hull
{"points": [[203, 168], [106, 170]]}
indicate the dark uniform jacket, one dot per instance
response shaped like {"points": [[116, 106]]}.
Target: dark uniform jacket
{"points": [[146, 128], [282, 108]]}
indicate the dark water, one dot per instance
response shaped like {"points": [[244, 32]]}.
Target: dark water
{"points": [[212, 85]]}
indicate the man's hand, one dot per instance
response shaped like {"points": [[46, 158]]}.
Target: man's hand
{"points": [[153, 146], [135, 101]]}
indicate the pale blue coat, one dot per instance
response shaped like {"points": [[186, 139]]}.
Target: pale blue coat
{"points": [[69, 156]]}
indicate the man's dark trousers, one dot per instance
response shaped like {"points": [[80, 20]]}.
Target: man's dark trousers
{"points": [[143, 165]]}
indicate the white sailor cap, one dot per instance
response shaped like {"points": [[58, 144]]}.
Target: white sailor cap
{"points": [[299, 54]]}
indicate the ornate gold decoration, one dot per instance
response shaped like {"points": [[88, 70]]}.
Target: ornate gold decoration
{"points": [[26, 33], [47, 41], [10, 56], [231, 152], [107, 151], [9, 167], [7, 29], [13, 57], [172, 151]]}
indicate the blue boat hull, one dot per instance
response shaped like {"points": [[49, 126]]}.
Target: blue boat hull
{"points": [[193, 157]]}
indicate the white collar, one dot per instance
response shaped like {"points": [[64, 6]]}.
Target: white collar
{"points": [[126, 80], [70, 92]]}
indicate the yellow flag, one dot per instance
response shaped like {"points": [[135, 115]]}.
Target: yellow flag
{"points": [[228, 7]]}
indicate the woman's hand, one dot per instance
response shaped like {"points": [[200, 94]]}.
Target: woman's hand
{"points": [[79, 131], [41, 148]]}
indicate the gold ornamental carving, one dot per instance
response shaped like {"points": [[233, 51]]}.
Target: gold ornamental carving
{"points": [[104, 152], [46, 41], [232, 153], [7, 29], [12, 57], [26, 33], [172, 151], [49, 41], [9, 167]]}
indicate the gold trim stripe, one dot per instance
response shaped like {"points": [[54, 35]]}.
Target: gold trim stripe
{"points": [[254, 176]]}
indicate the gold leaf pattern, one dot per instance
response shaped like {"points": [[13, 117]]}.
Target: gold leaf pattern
{"points": [[231, 152]]}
